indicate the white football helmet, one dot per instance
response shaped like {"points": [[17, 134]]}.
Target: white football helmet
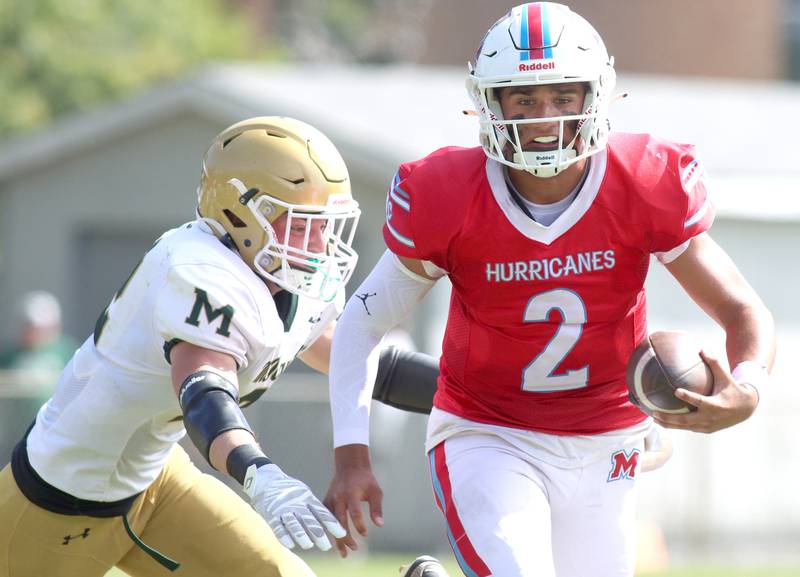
{"points": [[534, 44]]}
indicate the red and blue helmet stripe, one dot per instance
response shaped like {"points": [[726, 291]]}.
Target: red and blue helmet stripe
{"points": [[535, 38]]}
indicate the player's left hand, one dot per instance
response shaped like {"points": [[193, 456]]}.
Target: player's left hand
{"points": [[292, 511], [729, 404], [354, 484]]}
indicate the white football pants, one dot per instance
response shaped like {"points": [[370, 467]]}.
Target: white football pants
{"points": [[512, 515]]}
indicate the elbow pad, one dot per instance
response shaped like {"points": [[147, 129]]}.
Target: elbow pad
{"points": [[210, 405], [406, 380]]}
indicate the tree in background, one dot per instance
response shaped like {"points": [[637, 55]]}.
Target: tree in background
{"points": [[62, 56], [364, 31]]}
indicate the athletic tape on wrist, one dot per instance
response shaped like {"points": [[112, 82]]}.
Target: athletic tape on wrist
{"points": [[752, 373], [240, 458]]}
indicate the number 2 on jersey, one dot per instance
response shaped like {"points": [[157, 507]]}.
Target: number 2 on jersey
{"points": [[538, 376]]}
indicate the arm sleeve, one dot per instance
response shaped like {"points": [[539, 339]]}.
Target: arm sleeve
{"points": [[385, 298], [207, 307], [687, 190]]}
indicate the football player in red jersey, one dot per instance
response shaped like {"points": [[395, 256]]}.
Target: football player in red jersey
{"points": [[545, 232]]}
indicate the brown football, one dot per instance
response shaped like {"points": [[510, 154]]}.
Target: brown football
{"points": [[663, 362]]}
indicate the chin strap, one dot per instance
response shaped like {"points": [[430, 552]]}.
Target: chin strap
{"points": [[533, 161]]}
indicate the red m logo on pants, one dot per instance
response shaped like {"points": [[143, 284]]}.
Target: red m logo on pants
{"points": [[623, 465]]}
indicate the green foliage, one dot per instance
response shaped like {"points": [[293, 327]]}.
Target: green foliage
{"points": [[60, 56], [346, 20]]}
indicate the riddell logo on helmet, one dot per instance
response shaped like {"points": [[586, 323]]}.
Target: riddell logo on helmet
{"points": [[523, 67], [338, 200]]}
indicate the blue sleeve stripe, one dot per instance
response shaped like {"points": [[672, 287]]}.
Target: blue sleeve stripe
{"points": [[697, 216], [402, 192], [405, 240], [400, 202], [397, 189], [693, 177]]}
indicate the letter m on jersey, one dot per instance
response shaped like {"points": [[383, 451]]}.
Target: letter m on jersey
{"points": [[201, 304], [623, 465]]}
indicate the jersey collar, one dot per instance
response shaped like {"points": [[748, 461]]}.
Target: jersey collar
{"points": [[529, 227]]}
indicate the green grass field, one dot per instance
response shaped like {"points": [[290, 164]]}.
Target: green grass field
{"points": [[388, 565]]}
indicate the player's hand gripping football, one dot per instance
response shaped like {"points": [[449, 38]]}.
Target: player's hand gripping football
{"points": [[290, 508], [730, 403], [353, 484]]}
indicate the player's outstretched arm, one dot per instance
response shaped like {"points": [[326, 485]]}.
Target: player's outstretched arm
{"points": [[385, 298], [405, 380], [711, 279], [205, 382]]}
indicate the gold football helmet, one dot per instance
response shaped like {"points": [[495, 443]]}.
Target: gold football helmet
{"points": [[263, 168]]}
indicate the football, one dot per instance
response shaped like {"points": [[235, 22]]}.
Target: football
{"points": [[663, 362]]}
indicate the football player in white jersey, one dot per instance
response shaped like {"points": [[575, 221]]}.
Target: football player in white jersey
{"points": [[205, 324]]}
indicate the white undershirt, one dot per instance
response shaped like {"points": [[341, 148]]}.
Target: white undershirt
{"points": [[546, 214]]}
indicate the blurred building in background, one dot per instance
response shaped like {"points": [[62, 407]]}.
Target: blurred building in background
{"points": [[718, 38], [712, 38]]}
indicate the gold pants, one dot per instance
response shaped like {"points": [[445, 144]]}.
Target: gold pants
{"points": [[185, 514]]}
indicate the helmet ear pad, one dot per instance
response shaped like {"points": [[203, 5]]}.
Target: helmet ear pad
{"points": [[270, 213]]}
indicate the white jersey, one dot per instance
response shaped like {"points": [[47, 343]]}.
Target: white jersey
{"points": [[107, 431]]}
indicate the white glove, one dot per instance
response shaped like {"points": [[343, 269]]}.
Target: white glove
{"points": [[292, 511]]}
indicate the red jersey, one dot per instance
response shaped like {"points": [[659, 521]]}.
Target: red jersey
{"points": [[543, 319]]}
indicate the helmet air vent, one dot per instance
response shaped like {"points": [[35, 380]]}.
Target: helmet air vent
{"points": [[234, 220], [231, 139]]}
